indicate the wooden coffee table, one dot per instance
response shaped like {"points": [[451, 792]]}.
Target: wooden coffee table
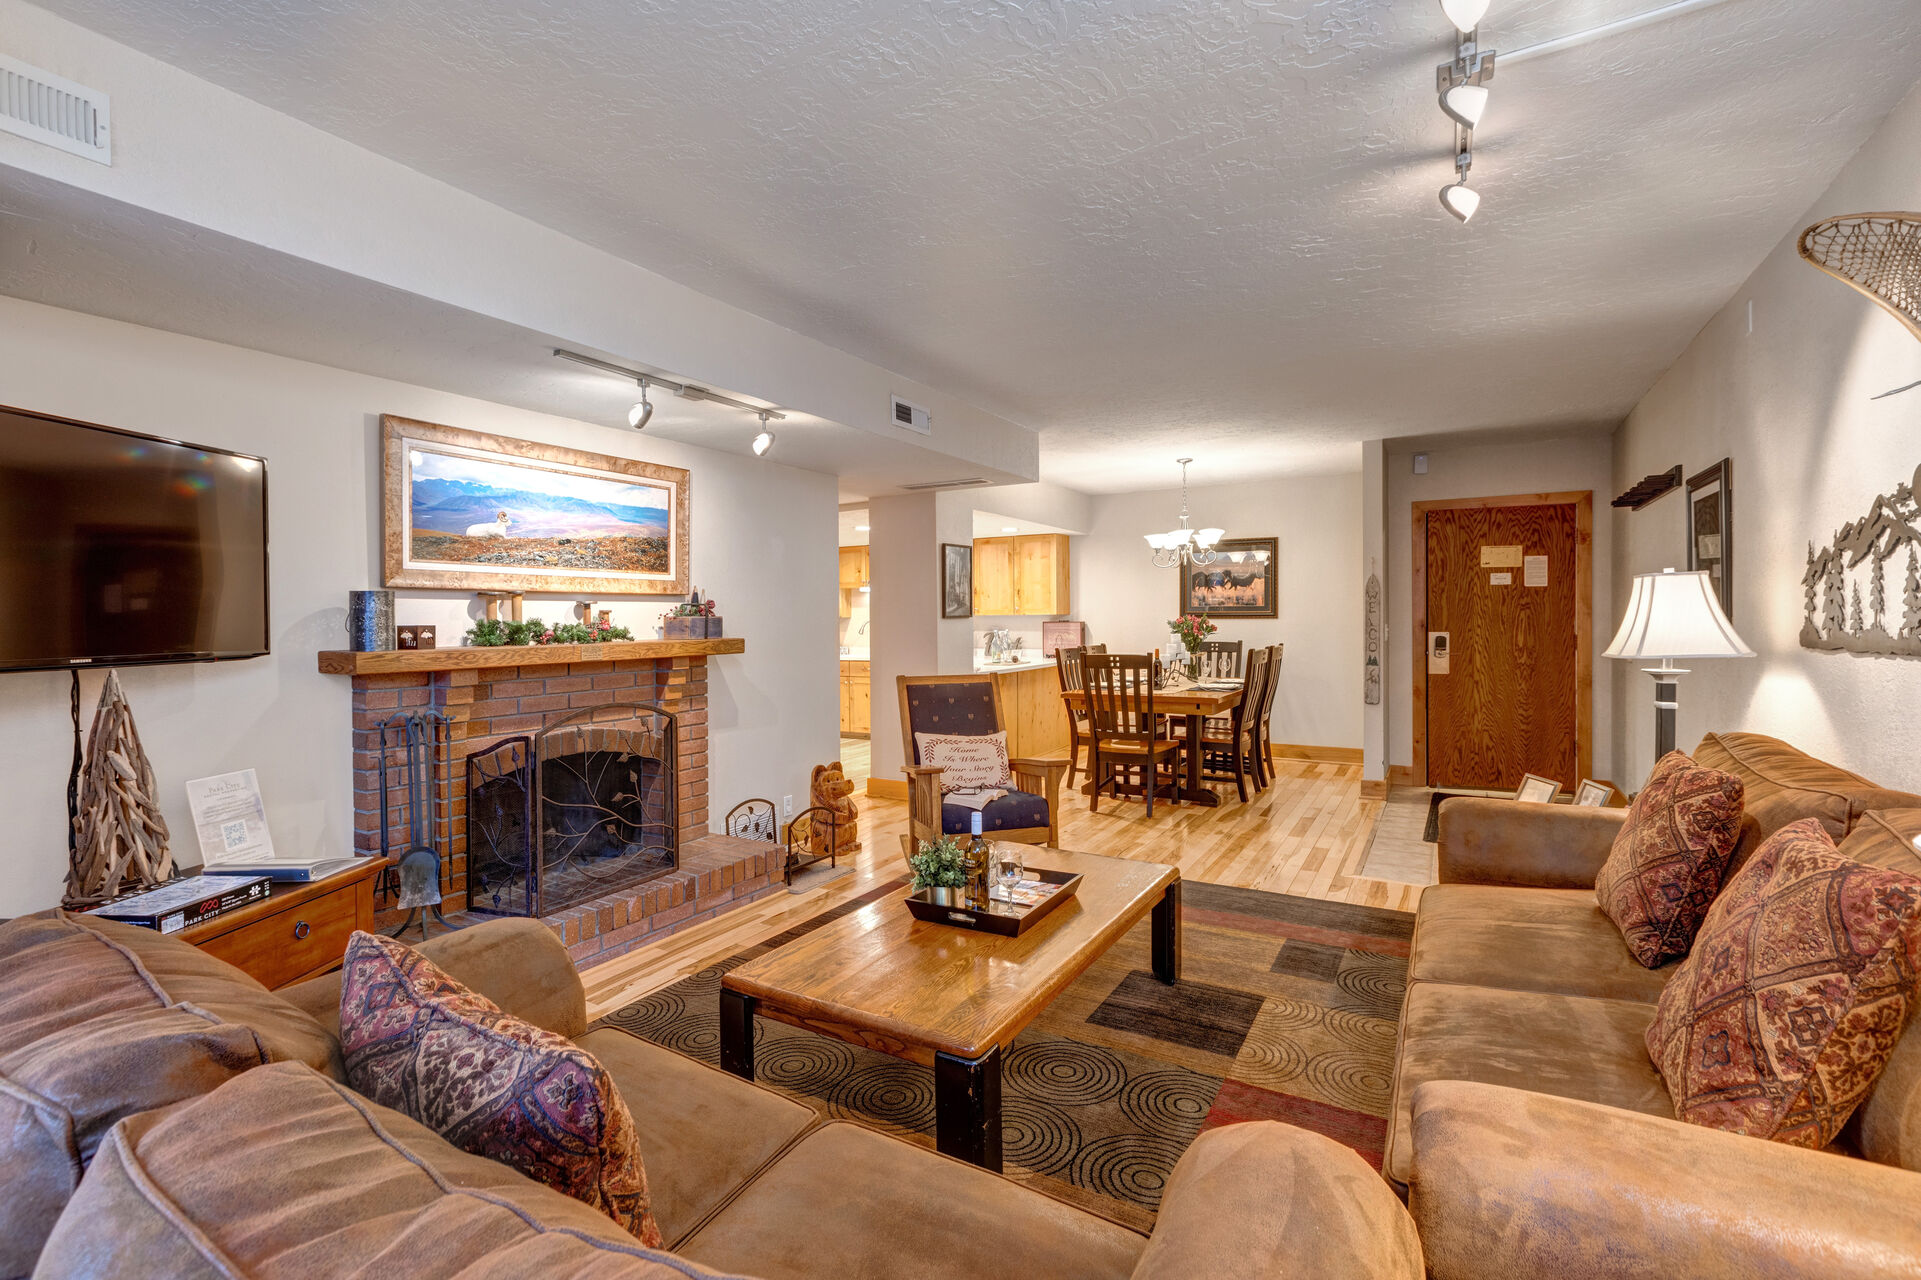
{"points": [[949, 998]]}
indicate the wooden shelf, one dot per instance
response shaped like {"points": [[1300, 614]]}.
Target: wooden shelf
{"points": [[341, 662]]}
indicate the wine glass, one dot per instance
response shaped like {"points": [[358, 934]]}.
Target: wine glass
{"points": [[1011, 870]]}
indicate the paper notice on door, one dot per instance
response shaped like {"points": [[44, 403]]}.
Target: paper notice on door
{"points": [[1500, 579], [1501, 557], [1534, 573]]}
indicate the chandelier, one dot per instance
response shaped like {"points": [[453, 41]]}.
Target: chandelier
{"points": [[1183, 545]]}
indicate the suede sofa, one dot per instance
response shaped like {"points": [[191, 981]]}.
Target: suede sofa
{"points": [[271, 1166], [1530, 1131]]}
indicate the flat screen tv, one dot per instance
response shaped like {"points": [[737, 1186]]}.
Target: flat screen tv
{"points": [[119, 549]]}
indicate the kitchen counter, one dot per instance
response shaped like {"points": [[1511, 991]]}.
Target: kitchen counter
{"points": [[1031, 708], [1025, 664]]}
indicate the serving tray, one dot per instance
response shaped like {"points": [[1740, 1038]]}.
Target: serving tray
{"points": [[996, 915]]}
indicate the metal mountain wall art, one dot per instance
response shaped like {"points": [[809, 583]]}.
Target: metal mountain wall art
{"points": [[1877, 253], [1846, 586]]}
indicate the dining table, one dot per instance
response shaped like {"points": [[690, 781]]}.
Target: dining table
{"points": [[1194, 701]]}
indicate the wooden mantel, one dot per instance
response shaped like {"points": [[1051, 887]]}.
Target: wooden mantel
{"points": [[341, 662]]}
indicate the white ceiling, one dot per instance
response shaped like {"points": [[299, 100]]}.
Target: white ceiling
{"points": [[1142, 227]]}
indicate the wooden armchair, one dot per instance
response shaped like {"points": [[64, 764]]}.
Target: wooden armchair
{"points": [[1030, 811]]}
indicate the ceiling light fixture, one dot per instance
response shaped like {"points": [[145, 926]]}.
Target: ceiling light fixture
{"points": [[1462, 85], [642, 410], [765, 440], [1465, 14], [863, 528], [1183, 545], [1010, 528], [1465, 104]]}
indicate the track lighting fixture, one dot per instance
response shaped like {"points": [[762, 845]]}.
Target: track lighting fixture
{"points": [[1465, 104], [1462, 85], [1465, 14], [643, 410]]}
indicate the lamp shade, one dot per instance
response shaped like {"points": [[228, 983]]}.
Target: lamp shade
{"points": [[1676, 615], [1460, 200], [1465, 104]]}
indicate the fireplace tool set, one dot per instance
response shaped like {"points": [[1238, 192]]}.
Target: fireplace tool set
{"points": [[411, 745]]}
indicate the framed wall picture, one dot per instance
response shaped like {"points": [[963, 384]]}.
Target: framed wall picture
{"points": [[956, 580], [1536, 789], [468, 510], [1243, 581], [1711, 529]]}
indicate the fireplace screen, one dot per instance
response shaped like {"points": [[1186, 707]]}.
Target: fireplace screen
{"points": [[582, 808]]}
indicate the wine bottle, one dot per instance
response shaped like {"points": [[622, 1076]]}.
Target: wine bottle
{"points": [[978, 854]]}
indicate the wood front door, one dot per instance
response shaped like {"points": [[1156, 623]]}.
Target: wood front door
{"points": [[1503, 598]]}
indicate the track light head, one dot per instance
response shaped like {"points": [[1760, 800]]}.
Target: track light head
{"points": [[638, 416], [1465, 104], [1464, 14], [1460, 199], [765, 440]]}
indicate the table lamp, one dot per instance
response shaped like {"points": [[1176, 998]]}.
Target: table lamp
{"points": [[1674, 615]]}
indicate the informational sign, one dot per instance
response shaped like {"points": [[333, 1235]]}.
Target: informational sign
{"points": [[1501, 557], [1500, 579], [1534, 574], [230, 818]]}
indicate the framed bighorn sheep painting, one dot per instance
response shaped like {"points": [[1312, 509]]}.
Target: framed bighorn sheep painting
{"points": [[477, 512], [1243, 581]]}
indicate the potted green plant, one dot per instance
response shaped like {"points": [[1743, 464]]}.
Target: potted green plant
{"points": [[939, 865]]}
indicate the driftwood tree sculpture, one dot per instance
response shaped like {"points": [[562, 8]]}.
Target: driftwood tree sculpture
{"points": [[120, 838]]}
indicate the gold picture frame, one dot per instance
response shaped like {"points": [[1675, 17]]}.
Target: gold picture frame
{"points": [[466, 510]]}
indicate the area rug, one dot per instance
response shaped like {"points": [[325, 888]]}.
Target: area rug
{"points": [[1286, 1010]]}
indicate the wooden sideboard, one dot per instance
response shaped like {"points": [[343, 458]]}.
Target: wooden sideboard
{"points": [[298, 932]]}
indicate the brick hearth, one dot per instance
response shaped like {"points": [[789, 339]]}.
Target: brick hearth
{"points": [[486, 703]]}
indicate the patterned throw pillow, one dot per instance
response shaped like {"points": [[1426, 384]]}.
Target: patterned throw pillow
{"points": [[493, 1085], [968, 762], [1668, 861], [1801, 981]]}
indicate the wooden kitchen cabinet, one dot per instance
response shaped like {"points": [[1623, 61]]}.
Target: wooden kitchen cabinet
{"points": [[853, 568], [1024, 575], [856, 698]]}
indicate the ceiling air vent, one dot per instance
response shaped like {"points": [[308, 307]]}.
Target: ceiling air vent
{"points": [[913, 417], [45, 107], [969, 483]]}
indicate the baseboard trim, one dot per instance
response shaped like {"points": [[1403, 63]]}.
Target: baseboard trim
{"points": [[1322, 755], [1401, 775], [887, 788], [1374, 788]]}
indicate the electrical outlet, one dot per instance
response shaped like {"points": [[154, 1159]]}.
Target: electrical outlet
{"points": [[787, 806]]}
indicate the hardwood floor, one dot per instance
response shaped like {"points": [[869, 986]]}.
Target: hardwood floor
{"points": [[1306, 835]]}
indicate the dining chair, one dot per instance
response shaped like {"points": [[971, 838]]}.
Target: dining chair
{"points": [[1122, 725], [1260, 676], [1264, 723], [1226, 655], [1228, 742], [1068, 663], [970, 706]]}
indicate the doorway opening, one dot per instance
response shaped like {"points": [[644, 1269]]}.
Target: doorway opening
{"points": [[856, 590]]}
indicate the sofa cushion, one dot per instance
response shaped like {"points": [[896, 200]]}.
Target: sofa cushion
{"points": [[1801, 982], [100, 1020], [1667, 862], [1887, 1126], [1569, 1046], [1885, 838], [286, 1173], [490, 1083], [1785, 784], [704, 1131], [1011, 812], [851, 1204], [1549, 940]]}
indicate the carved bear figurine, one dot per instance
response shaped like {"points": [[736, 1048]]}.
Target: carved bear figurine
{"points": [[831, 789]]}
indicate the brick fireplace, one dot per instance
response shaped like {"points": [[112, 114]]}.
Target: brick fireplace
{"points": [[706, 875]]}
